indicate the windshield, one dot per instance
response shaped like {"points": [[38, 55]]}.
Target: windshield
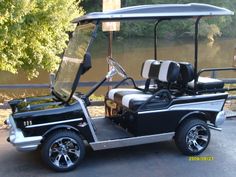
{"points": [[73, 57]]}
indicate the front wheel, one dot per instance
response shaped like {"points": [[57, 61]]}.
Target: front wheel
{"points": [[63, 150], [192, 137]]}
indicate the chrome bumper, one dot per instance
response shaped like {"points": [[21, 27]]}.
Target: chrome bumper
{"points": [[17, 139], [220, 119]]}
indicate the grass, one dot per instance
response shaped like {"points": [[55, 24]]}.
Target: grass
{"points": [[96, 98]]}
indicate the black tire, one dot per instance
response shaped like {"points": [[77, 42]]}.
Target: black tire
{"points": [[63, 150], [192, 137]]}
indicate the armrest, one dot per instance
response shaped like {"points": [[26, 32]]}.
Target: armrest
{"points": [[133, 82], [163, 94]]}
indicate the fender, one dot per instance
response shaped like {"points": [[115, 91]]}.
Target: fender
{"points": [[60, 127], [202, 114]]}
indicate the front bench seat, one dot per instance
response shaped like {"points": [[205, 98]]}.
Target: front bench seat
{"points": [[150, 70], [168, 73], [118, 93]]}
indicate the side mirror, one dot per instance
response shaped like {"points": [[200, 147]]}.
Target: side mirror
{"points": [[87, 63]]}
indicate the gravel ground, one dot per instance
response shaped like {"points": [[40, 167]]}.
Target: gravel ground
{"points": [[4, 113]]}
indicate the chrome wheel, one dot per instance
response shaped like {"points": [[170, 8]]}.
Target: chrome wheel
{"points": [[64, 152], [197, 138]]}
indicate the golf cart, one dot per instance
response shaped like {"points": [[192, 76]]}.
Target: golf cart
{"points": [[175, 102]]}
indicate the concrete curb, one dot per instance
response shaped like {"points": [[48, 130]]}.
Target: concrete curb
{"points": [[230, 114]]}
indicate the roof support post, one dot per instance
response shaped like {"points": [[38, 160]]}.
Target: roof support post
{"points": [[155, 38], [196, 51]]}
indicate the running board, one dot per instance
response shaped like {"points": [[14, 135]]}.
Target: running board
{"points": [[116, 143]]}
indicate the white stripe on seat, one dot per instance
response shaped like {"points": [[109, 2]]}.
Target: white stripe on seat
{"points": [[112, 92], [137, 97], [164, 71], [146, 68]]}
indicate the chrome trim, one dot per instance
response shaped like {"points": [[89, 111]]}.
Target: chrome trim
{"points": [[53, 123], [205, 96], [214, 105], [116, 143], [87, 116], [111, 73], [214, 128], [18, 140], [202, 106]]}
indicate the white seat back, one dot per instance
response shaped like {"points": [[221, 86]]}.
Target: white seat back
{"points": [[169, 71]]}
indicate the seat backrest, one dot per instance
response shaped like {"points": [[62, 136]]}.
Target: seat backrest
{"points": [[150, 69], [186, 73], [169, 71]]}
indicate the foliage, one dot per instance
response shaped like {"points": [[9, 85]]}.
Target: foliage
{"points": [[33, 33]]}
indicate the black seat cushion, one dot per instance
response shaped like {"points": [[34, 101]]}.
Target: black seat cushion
{"points": [[206, 83]]}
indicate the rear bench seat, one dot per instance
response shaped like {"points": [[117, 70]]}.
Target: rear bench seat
{"points": [[167, 72], [204, 83]]}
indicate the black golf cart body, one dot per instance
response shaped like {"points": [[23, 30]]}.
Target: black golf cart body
{"points": [[139, 115]]}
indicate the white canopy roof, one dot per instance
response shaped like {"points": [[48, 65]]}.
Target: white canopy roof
{"points": [[156, 12]]}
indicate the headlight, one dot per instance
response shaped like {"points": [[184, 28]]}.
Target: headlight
{"points": [[7, 122]]}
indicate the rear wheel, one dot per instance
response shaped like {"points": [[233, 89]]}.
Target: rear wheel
{"points": [[192, 137], [63, 150]]}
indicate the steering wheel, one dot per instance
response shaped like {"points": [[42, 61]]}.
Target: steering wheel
{"points": [[119, 69]]}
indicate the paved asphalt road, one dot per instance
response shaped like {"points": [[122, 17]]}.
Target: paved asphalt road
{"points": [[160, 159]]}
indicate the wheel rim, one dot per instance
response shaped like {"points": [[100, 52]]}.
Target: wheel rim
{"points": [[64, 152], [197, 138]]}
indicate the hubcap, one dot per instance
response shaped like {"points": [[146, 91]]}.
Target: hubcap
{"points": [[197, 138], [64, 152]]}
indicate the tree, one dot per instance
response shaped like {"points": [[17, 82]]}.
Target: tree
{"points": [[33, 33]]}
